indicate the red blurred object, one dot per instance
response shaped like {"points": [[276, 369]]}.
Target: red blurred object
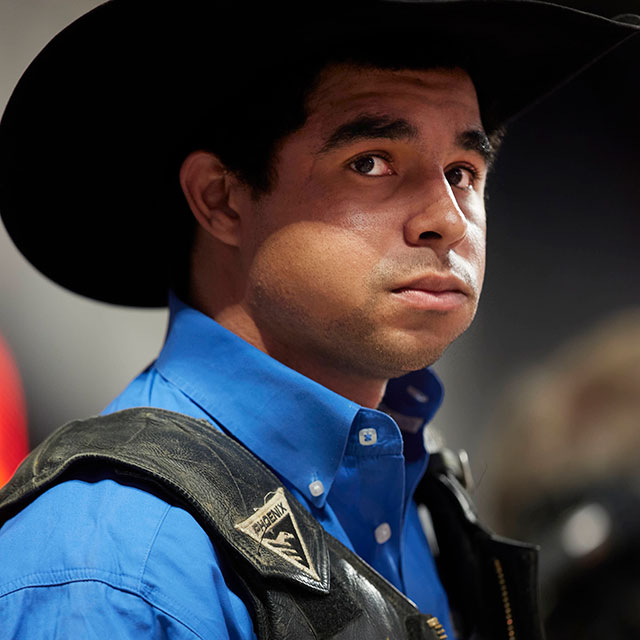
{"points": [[14, 444]]}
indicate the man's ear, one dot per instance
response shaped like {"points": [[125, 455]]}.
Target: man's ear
{"points": [[206, 183]]}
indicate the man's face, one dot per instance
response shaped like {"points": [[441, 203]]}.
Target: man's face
{"points": [[368, 253]]}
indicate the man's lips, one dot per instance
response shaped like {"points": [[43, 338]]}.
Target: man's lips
{"points": [[434, 292]]}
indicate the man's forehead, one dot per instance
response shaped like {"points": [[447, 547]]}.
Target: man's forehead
{"points": [[343, 91], [351, 103]]}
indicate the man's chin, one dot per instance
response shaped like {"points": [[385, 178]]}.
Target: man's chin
{"points": [[385, 362], [404, 353], [413, 362]]}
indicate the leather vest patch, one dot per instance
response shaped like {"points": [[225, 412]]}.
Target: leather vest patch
{"points": [[273, 526]]}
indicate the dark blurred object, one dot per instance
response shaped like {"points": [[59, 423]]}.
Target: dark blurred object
{"points": [[565, 474], [591, 561], [13, 423]]}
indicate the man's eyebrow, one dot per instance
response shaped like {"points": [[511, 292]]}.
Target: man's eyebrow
{"points": [[477, 140], [364, 127]]}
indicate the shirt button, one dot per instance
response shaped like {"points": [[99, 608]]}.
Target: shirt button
{"points": [[367, 437], [316, 488], [382, 533]]}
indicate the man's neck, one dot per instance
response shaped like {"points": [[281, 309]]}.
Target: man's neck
{"points": [[352, 385]]}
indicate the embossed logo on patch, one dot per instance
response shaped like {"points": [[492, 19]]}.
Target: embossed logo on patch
{"points": [[274, 526]]}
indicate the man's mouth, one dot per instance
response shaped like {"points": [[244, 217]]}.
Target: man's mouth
{"points": [[434, 292]]}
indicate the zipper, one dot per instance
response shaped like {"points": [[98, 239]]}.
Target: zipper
{"points": [[434, 623], [506, 603]]}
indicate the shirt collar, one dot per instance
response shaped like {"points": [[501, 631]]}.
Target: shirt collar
{"points": [[295, 425]]}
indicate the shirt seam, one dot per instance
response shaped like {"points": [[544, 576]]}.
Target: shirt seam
{"points": [[209, 417], [150, 588], [122, 589], [152, 542], [56, 577]]}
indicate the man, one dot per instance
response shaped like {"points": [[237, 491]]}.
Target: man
{"points": [[334, 171]]}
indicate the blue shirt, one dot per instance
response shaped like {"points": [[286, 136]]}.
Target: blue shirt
{"points": [[98, 559]]}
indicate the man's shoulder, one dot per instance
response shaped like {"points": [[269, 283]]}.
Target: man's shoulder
{"points": [[94, 526], [81, 532]]}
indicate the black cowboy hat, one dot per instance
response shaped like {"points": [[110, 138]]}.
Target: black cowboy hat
{"points": [[94, 133]]}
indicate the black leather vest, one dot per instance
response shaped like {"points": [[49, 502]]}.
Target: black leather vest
{"points": [[297, 581]]}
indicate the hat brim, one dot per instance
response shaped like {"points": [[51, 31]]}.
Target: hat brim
{"points": [[88, 141]]}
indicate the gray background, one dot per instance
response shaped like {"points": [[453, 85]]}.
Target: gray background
{"points": [[564, 229]]}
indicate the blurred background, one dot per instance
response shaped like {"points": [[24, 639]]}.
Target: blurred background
{"points": [[525, 386]]}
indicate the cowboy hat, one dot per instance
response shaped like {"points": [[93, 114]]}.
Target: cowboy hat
{"points": [[94, 133]]}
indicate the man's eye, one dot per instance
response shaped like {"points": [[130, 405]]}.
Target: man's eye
{"points": [[461, 177], [371, 166]]}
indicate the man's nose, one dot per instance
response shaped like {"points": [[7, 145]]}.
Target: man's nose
{"points": [[438, 221]]}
